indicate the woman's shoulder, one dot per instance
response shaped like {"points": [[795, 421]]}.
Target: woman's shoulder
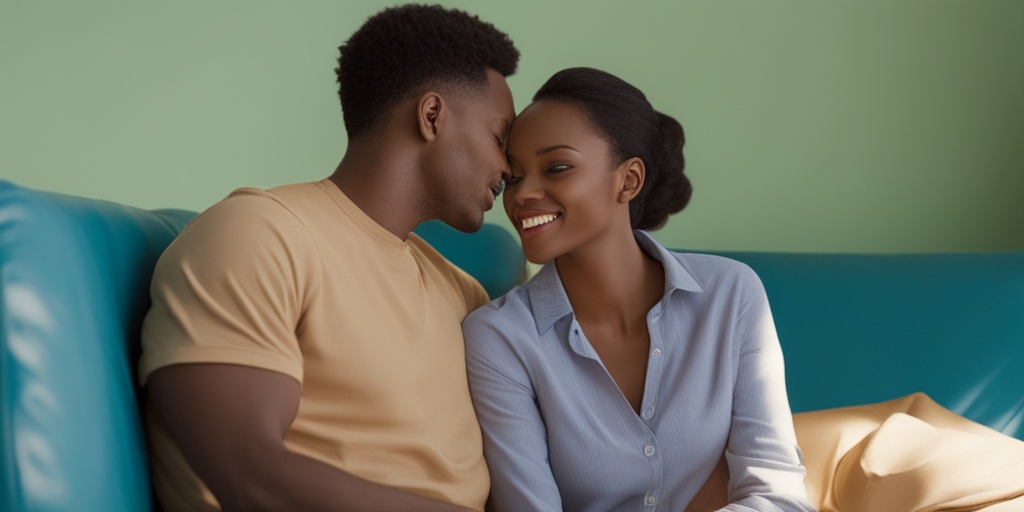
{"points": [[504, 330], [509, 310], [721, 276], [706, 267]]}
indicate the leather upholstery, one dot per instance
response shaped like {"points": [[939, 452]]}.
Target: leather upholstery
{"points": [[74, 281]]}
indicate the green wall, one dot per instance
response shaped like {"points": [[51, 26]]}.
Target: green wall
{"points": [[893, 126]]}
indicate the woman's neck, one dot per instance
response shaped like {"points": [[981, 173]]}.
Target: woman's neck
{"points": [[612, 280], [380, 178]]}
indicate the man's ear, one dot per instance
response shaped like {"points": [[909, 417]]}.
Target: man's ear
{"points": [[430, 112], [633, 175]]}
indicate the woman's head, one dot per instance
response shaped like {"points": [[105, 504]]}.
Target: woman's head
{"points": [[621, 114], [588, 156]]}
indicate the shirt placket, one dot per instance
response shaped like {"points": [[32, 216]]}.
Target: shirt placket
{"points": [[649, 447], [649, 410]]}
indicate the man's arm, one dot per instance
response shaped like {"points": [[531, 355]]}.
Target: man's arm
{"points": [[230, 422]]}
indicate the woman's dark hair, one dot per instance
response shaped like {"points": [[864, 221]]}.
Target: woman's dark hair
{"points": [[626, 120], [402, 51]]}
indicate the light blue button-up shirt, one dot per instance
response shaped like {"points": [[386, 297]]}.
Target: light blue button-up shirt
{"points": [[560, 435]]}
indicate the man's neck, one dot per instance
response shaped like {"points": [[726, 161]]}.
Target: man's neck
{"points": [[378, 179]]}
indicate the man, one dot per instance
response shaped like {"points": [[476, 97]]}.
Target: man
{"points": [[304, 350]]}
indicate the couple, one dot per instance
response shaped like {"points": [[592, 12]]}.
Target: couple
{"points": [[305, 351]]}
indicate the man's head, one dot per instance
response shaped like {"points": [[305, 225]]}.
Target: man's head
{"points": [[402, 52], [448, 67]]}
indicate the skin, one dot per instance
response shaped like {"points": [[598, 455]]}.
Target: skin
{"points": [[560, 166], [437, 156]]}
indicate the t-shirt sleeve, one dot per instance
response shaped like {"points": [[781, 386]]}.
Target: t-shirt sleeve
{"points": [[231, 289], [473, 291]]}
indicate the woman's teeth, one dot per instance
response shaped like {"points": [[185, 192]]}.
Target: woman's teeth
{"points": [[533, 222]]}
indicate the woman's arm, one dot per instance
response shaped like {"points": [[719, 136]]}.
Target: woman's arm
{"points": [[515, 436], [765, 465]]}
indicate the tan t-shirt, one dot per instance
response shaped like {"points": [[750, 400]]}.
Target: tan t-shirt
{"points": [[298, 280]]}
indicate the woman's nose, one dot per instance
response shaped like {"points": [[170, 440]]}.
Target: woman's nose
{"points": [[528, 189]]}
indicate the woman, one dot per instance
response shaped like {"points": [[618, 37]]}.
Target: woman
{"points": [[622, 374]]}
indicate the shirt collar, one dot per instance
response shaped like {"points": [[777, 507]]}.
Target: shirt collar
{"points": [[548, 299]]}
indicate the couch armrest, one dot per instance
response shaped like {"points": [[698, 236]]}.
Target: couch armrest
{"points": [[74, 285]]}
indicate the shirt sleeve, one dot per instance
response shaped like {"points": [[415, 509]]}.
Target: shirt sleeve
{"points": [[765, 464], [231, 288], [514, 433]]}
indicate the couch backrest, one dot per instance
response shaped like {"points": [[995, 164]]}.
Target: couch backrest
{"points": [[74, 286], [858, 329]]}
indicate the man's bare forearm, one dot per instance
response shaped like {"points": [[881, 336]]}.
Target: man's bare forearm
{"points": [[290, 481]]}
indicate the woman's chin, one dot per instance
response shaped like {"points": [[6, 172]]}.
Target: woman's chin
{"points": [[535, 256], [540, 255]]}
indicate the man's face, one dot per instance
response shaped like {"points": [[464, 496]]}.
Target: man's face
{"points": [[466, 171]]}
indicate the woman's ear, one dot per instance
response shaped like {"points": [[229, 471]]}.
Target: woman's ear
{"points": [[633, 174], [430, 111]]}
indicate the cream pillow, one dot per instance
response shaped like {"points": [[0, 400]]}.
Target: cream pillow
{"points": [[826, 437], [910, 465]]}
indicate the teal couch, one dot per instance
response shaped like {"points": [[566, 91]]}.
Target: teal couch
{"points": [[74, 276]]}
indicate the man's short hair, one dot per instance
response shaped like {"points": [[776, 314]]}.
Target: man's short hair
{"points": [[406, 50]]}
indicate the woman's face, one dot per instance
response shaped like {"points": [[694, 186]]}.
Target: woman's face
{"points": [[562, 193]]}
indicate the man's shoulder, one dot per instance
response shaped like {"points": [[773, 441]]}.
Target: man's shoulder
{"points": [[249, 201], [249, 221], [291, 198], [254, 209], [463, 281]]}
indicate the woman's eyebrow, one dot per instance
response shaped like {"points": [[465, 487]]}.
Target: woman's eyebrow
{"points": [[541, 151], [549, 149]]}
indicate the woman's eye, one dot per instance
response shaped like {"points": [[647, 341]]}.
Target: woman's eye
{"points": [[511, 180], [555, 169]]}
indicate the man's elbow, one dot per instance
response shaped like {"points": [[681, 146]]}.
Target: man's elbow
{"points": [[248, 489]]}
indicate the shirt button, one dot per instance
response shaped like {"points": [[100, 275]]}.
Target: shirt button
{"points": [[650, 501], [656, 353], [648, 450], [648, 414]]}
